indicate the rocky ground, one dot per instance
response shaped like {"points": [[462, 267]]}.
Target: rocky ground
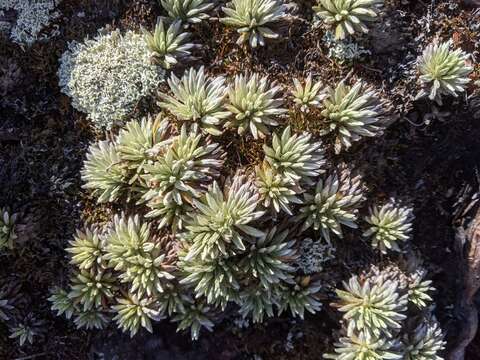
{"points": [[428, 154]]}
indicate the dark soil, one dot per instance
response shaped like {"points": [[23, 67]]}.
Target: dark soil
{"points": [[43, 141]]}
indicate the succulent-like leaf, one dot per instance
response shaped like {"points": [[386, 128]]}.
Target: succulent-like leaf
{"points": [[190, 11], [7, 229], [221, 223], [91, 319], [251, 19], [411, 282], [92, 288], [103, 172], [389, 225], [86, 249], [22, 333], [269, 259], [182, 171], [364, 347], [335, 203], [168, 44], [256, 301], [141, 140], [277, 191], [373, 307], [62, 303], [425, 343], [309, 94], [254, 104], [143, 260], [195, 316], [5, 307], [443, 70], [197, 98], [419, 289], [172, 300], [299, 297], [168, 213], [133, 313], [353, 112], [295, 156], [348, 16], [216, 280]]}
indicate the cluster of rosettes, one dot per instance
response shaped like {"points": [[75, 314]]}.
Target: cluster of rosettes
{"points": [[250, 103], [197, 242], [442, 70], [386, 316], [293, 173], [141, 275], [94, 90], [23, 327], [349, 112], [107, 76], [251, 18], [199, 246], [147, 163], [204, 242]]}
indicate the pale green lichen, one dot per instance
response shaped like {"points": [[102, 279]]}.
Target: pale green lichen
{"points": [[107, 76]]}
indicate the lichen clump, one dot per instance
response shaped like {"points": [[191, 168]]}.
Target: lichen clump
{"points": [[32, 18], [107, 76]]}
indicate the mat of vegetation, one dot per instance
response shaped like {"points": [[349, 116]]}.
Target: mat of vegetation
{"points": [[256, 253]]}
